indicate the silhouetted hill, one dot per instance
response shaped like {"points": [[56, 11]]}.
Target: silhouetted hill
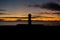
{"points": [[29, 28]]}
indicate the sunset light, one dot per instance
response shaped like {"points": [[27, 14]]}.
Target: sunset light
{"points": [[40, 10], [35, 19]]}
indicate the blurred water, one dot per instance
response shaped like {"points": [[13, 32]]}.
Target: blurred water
{"points": [[33, 22]]}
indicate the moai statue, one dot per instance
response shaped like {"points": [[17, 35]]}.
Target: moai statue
{"points": [[29, 19]]}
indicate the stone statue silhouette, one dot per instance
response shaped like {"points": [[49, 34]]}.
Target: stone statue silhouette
{"points": [[29, 19]]}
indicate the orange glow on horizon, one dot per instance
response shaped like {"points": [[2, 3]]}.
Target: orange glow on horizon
{"points": [[38, 19]]}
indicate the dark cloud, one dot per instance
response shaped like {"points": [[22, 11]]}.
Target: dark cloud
{"points": [[50, 6], [2, 10], [56, 13], [35, 16], [2, 13]]}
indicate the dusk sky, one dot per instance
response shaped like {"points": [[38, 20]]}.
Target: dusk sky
{"points": [[20, 8]]}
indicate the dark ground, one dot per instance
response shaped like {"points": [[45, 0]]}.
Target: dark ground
{"points": [[29, 28]]}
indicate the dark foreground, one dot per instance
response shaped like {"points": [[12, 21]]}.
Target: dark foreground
{"points": [[29, 28]]}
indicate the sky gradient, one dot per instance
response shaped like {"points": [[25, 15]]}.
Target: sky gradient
{"points": [[19, 8]]}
